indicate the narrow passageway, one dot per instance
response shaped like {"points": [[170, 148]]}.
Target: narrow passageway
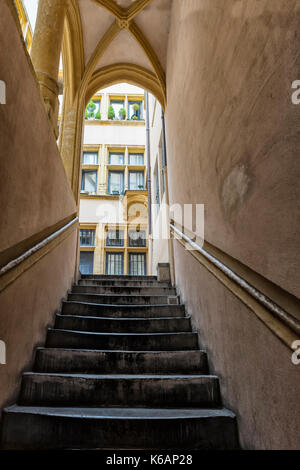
{"points": [[149, 208], [120, 371]]}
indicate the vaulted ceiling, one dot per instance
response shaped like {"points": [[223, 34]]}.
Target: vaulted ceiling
{"points": [[132, 32]]}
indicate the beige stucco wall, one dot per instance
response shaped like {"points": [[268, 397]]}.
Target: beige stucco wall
{"points": [[257, 378], [159, 238], [233, 145], [230, 69], [35, 197], [28, 307], [34, 191]]}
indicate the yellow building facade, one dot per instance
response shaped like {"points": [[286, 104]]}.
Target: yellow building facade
{"points": [[25, 24], [113, 196]]}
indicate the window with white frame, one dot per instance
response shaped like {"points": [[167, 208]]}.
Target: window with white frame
{"points": [[116, 182], [89, 181], [135, 110], [136, 180], [90, 158], [118, 107], [114, 263], [136, 159], [137, 238], [115, 237], [87, 237], [116, 158], [137, 264]]}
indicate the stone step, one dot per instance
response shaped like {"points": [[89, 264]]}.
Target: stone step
{"points": [[119, 390], [123, 299], [122, 341], [122, 283], [118, 428], [122, 290], [125, 277], [120, 362], [119, 311], [123, 325]]}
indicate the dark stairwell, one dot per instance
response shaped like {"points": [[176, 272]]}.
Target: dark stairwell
{"points": [[121, 369]]}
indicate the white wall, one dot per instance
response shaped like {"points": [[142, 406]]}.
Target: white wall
{"points": [[100, 210], [115, 134], [160, 249]]}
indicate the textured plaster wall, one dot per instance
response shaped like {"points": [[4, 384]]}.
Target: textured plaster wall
{"points": [[233, 145], [34, 195], [34, 191], [230, 116], [257, 378], [27, 308]]}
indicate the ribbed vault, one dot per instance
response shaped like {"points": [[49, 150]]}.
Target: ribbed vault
{"points": [[108, 41]]}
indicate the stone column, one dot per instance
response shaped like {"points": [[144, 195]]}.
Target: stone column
{"points": [[45, 53]]}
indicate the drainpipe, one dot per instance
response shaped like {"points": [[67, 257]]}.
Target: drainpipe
{"points": [[148, 163], [148, 182], [165, 171], [164, 147]]}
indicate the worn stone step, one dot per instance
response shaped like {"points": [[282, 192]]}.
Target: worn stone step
{"points": [[123, 325], [120, 362], [122, 290], [122, 283], [118, 428], [125, 277], [128, 311], [119, 390], [122, 341], [123, 299]]}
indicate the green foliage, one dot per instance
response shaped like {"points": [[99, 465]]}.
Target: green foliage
{"points": [[91, 106], [98, 115], [111, 113], [136, 107], [135, 117], [86, 114], [122, 113]]}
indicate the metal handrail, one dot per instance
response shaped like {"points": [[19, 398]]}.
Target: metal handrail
{"points": [[15, 262], [251, 290]]}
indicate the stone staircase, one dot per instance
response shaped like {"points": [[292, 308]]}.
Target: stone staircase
{"points": [[121, 369]]}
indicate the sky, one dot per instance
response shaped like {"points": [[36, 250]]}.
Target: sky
{"points": [[31, 8]]}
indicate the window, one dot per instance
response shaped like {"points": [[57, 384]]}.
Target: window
{"points": [[90, 158], [92, 111], [116, 158], [115, 238], [87, 237], [89, 181], [135, 110], [137, 264], [86, 263], [117, 106], [114, 263], [136, 180], [116, 182], [137, 238], [136, 159]]}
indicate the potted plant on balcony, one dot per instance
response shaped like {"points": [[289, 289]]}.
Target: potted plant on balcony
{"points": [[122, 114], [91, 110], [111, 113], [140, 186]]}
